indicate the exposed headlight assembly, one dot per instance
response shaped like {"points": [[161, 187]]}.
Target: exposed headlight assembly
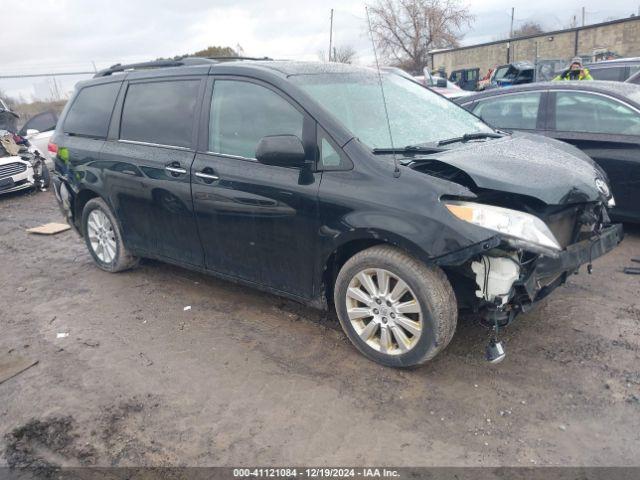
{"points": [[512, 223]]}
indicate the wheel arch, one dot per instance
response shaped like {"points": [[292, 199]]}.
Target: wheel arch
{"points": [[81, 198], [350, 244]]}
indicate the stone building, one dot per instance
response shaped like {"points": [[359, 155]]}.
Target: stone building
{"points": [[620, 38]]}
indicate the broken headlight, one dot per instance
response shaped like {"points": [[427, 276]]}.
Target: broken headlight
{"points": [[513, 223]]}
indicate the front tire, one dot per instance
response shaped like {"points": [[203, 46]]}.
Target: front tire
{"points": [[103, 237], [395, 309]]}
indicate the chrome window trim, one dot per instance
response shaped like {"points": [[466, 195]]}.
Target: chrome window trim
{"points": [[228, 155], [493, 97], [149, 144]]}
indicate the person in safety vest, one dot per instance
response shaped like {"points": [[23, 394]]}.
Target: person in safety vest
{"points": [[576, 71]]}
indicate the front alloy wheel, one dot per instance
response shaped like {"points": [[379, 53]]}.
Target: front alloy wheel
{"points": [[395, 309], [384, 311]]}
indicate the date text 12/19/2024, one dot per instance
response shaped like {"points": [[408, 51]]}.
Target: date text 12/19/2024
{"points": [[315, 473]]}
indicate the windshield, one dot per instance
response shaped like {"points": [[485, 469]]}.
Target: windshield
{"points": [[416, 115], [500, 72]]}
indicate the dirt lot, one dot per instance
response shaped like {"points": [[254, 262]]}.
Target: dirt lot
{"points": [[245, 378]]}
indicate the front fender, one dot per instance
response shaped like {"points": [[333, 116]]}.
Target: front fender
{"points": [[334, 241]]}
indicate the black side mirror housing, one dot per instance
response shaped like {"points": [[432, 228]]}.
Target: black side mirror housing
{"points": [[281, 151], [441, 82]]}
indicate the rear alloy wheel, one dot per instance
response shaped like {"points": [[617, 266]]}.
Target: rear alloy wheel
{"points": [[395, 309], [104, 239]]}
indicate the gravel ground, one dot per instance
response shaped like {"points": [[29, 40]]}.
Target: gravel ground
{"points": [[246, 378]]}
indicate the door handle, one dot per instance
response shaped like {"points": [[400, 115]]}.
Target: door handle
{"points": [[175, 170], [207, 176]]}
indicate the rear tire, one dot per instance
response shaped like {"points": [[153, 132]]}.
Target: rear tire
{"points": [[408, 312], [102, 235]]}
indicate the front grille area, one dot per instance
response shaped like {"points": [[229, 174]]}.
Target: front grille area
{"points": [[11, 169], [563, 225]]}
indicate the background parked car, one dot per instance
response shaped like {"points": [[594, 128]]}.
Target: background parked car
{"points": [[21, 167], [441, 85], [466, 78], [38, 130], [617, 70], [600, 118], [432, 82], [517, 73]]}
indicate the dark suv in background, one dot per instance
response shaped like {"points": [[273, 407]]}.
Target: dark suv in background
{"points": [[618, 70], [286, 176]]}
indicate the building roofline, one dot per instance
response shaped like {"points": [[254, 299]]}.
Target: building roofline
{"points": [[526, 37]]}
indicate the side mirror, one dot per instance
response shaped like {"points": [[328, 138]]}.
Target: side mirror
{"points": [[281, 151], [441, 82], [32, 131]]}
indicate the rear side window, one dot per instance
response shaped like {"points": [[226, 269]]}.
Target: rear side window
{"points": [[588, 113], [90, 112], [242, 113], [516, 111], [160, 112]]}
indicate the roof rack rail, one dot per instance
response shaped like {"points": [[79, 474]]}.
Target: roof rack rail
{"points": [[180, 62]]}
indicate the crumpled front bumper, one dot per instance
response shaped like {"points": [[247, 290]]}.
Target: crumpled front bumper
{"points": [[18, 181], [550, 272]]}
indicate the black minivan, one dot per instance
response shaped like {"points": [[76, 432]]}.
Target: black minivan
{"points": [[304, 180]]}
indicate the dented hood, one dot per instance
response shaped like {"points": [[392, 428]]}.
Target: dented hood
{"points": [[551, 171]]}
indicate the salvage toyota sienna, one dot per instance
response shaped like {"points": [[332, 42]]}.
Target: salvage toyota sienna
{"points": [[332, 185]]}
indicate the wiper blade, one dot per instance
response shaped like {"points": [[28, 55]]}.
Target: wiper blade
{"points": [[470, 136], [409, 149]]}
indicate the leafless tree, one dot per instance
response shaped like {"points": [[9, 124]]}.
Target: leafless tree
{"points": [[344, 54], [406, 30], [528, 28]]}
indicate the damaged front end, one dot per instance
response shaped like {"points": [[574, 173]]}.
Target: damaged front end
{"points": [[21, 167], [511, 271], [543, 206]]}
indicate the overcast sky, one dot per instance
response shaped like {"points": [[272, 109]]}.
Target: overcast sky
{"points": [[68, 35]]}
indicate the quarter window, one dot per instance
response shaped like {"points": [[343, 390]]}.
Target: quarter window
{"points": [[587, 113], [90, 112], [330, 156], [515, 111], [242, 113], [160, 112]]}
